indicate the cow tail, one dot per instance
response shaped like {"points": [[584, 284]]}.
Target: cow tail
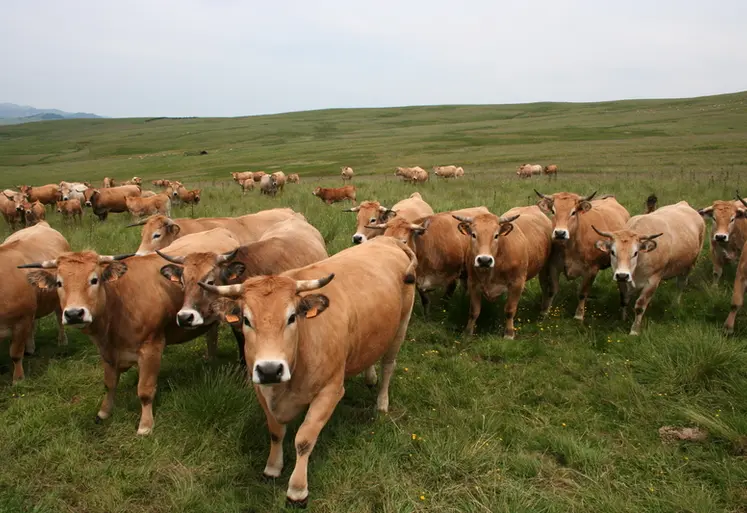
{"points": [[410, 271]]}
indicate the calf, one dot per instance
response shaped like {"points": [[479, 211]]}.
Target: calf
{"points": [[240, 177], [113, 199], [551, 170], [300, 357], [70, 209], [371, 215], [156, 204], [333, 195], [679, 232], [188, 197], [246, 185], [729, 232], [504, 254], [34, 213], [294, 178], [346, 172]]}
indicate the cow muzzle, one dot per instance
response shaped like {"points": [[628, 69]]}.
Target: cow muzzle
{"points": [[560, 234], [622, 277], [359, 238], [721, 237], [267, 372], [88, 204], [189, 318], [74, 316], [484, 261]]}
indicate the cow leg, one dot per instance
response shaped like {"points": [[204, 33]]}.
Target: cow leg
{"points": [[274, 465], [370, 376], [450, 289], [642, 303], [111, 380], [717, 257], [475, 306], [737, 298], [389, 361], [31, 342], [320, 410], [211, 337], [624, 299], [681, 284], [549, 284], [588, 281], [239, 336], [512, 305], [149, 364], [426, 302], [61, 335], [21, 333]]}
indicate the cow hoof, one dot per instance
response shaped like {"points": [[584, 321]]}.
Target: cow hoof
{"points": [[508, 337], [728, 331], [579, 318], [268, 478], [634, 333], [298, 504], [98, 420], [144, 431]]}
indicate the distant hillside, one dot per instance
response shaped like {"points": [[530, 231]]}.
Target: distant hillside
{"points": [[10, 113]]}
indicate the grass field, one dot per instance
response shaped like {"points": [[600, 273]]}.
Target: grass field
{"points": [[564, 418]]}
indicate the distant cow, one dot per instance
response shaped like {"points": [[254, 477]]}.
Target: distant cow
{"points": [[527, 170], [161, 183], [640, 263], [280, 179], [333, 195], [157, 204], [728, 232], [108, 183], [551, 170], [240, 177], [246, 184], [186, 196], [371, 216], [34, 213], [257, 175], [70, 209], [412, 174], [347, 173], [651, 203], [294, 178], [268, 185], [73, 190], [299, 354], [136, 180], [740, 281], [47, 194], [103, 201], [448, 171]]}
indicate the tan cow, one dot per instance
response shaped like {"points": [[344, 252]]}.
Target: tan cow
{"points": [[287, 245], [574, 240], [280, 180], [157, 204], [370, 213], [160, 231], [246, 185], [127, 311], [34, 213], [188, 197], [70, 209], [161, 183], [448, 171], [11, 206], [740, 287], [347, 173], [551, 170], [136, 180], [113, 199], [20, 303], [294, 178], [640, 263], [241, 176], [333, 195], [300, 354], [258, 175], [728, 232], [504, 254], [150, 194], [108, 183], [47, 194]]}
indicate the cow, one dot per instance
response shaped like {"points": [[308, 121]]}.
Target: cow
{"points": [[136, 180], [241, 176], [412, 174], [103, 201], [20, 303], [346, 172], [47, 194], [160, 231], [439, 247], [246, 185], [650, 248], [372, 213], [129, 314], [268, 185], [527, 170], [504, 254], [728, 232], [740, 287], [280, 179], [11, 206], [333, 195], [448, 171], [287, 245], [150, 194], [574, 241], [298, 356], [70, 209], [146, 206], [33, 213], [161, 183], [551, 170], [186, 196], [294, 178], [651, 204], [257, 176], [73, 190], [108, 183]]}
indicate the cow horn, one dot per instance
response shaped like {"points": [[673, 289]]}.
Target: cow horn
{"points": [[463, 219], [383, 209], [538, 193], [588, 198], [226, 257], [603, 234], [139, 223], [416, 227], [223, 290], [108, 258], [741, 199], [46, 264], [381, 226], [352, 209], [172, 259], [509, 219], [651, 237], [304, 285]]}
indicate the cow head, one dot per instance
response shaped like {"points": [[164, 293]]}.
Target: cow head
{"points": [[33, 212], [269, 310], [369, 213], [158, 232], [400, 229], [624, 247], [88, 196], [196, 195], [724, 215], [566, 208], [18, 198], [317, 191], [485, 231], [60, 206], [79, 279]]}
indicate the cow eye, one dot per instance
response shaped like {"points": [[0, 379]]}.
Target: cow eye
{"points": [[210, 282], [372, 220], [94, 281], [732, 219], [291, 319], [573, 213], [635, 254], [156, 235], [59, 283], [246, 322], [496, 236], [612, 252], [474, 235]]}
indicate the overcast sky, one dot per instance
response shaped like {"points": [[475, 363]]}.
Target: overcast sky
{"points": [[238, 57]]}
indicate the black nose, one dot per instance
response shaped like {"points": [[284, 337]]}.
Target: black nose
{"points": [[484, 261], [88, 203], [559, 235], [74, 315], [185, 318], [357, 239], [720, 237], [622, 276], [269, 372]]}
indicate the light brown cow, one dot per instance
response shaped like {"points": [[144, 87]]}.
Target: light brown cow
{"points": [[740, 287], [157, 204], [651, 204], [333, 195], [412, 174], [258, 175], [640, 263], [347, 173], [150, 194], [280, 180], [160, 231], [70, 209], [289, 244], [47, 194], [551, 170], [574, 239], [448, 171], [11, 206], [241, 176], [294, 178], [103, 201], [34, 213], [728, 232], [161, 183], [20, 303], [370, 213], [504, 254], [188, 197], [127, 311], [299, 355], [108, 183], [246, 185], [136, 180]]}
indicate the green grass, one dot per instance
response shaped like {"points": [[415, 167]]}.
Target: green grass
{"points": [[564, 418]]}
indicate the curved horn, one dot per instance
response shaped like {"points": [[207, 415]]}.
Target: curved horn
{"points": [[139, 223], [173, 260], [109, 258], [741, 199], [508, 219], [352, 209], [381, 226], [652, 237], [226, 257], [382, 208], [223, 290], [46, 264], [463, 219], [588, 198], [603, 234], [304, 285], [543, 196]]}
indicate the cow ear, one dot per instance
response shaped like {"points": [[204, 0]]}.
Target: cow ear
{"points": [[227, 309], [41, 279], [584, 205], [232, 272], [706, 212], [741, 213], [387, 215], [647, 245], [464, 228], [506, 228], [113, 271], [545, 205], [312, 305], [173, 228], [172, 272], [602, 245]]}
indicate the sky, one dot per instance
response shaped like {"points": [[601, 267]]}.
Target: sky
{"points": [[133, 58]]}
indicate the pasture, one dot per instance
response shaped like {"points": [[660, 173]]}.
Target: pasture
{"points": [[564, 418]]}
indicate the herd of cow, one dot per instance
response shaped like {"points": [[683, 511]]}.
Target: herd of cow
{"points": [[269, 277]]}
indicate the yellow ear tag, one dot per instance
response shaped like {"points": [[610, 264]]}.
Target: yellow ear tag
{"points": [[312, 313], [231, 318]]}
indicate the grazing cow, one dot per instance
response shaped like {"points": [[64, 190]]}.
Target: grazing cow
{"points": [[187, 197], [257, 176], [574, 241], [70, 209], [136, 180], [299, 356], [651, 203], [20, 303], [160, 231], [503, 255], [246, 185], [287, 245], [347, 173], [127, 311], [103, 201], [640, 263], [108, 183], [163, 183], [448, 171], [551, 170], [728, 233], [280, 179], [412, 174], [11, 206], [372, 216], [294, 178], [156, 204], [333, 195], [240, 177], [47, 194], [268, 185], [33, 213]]}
